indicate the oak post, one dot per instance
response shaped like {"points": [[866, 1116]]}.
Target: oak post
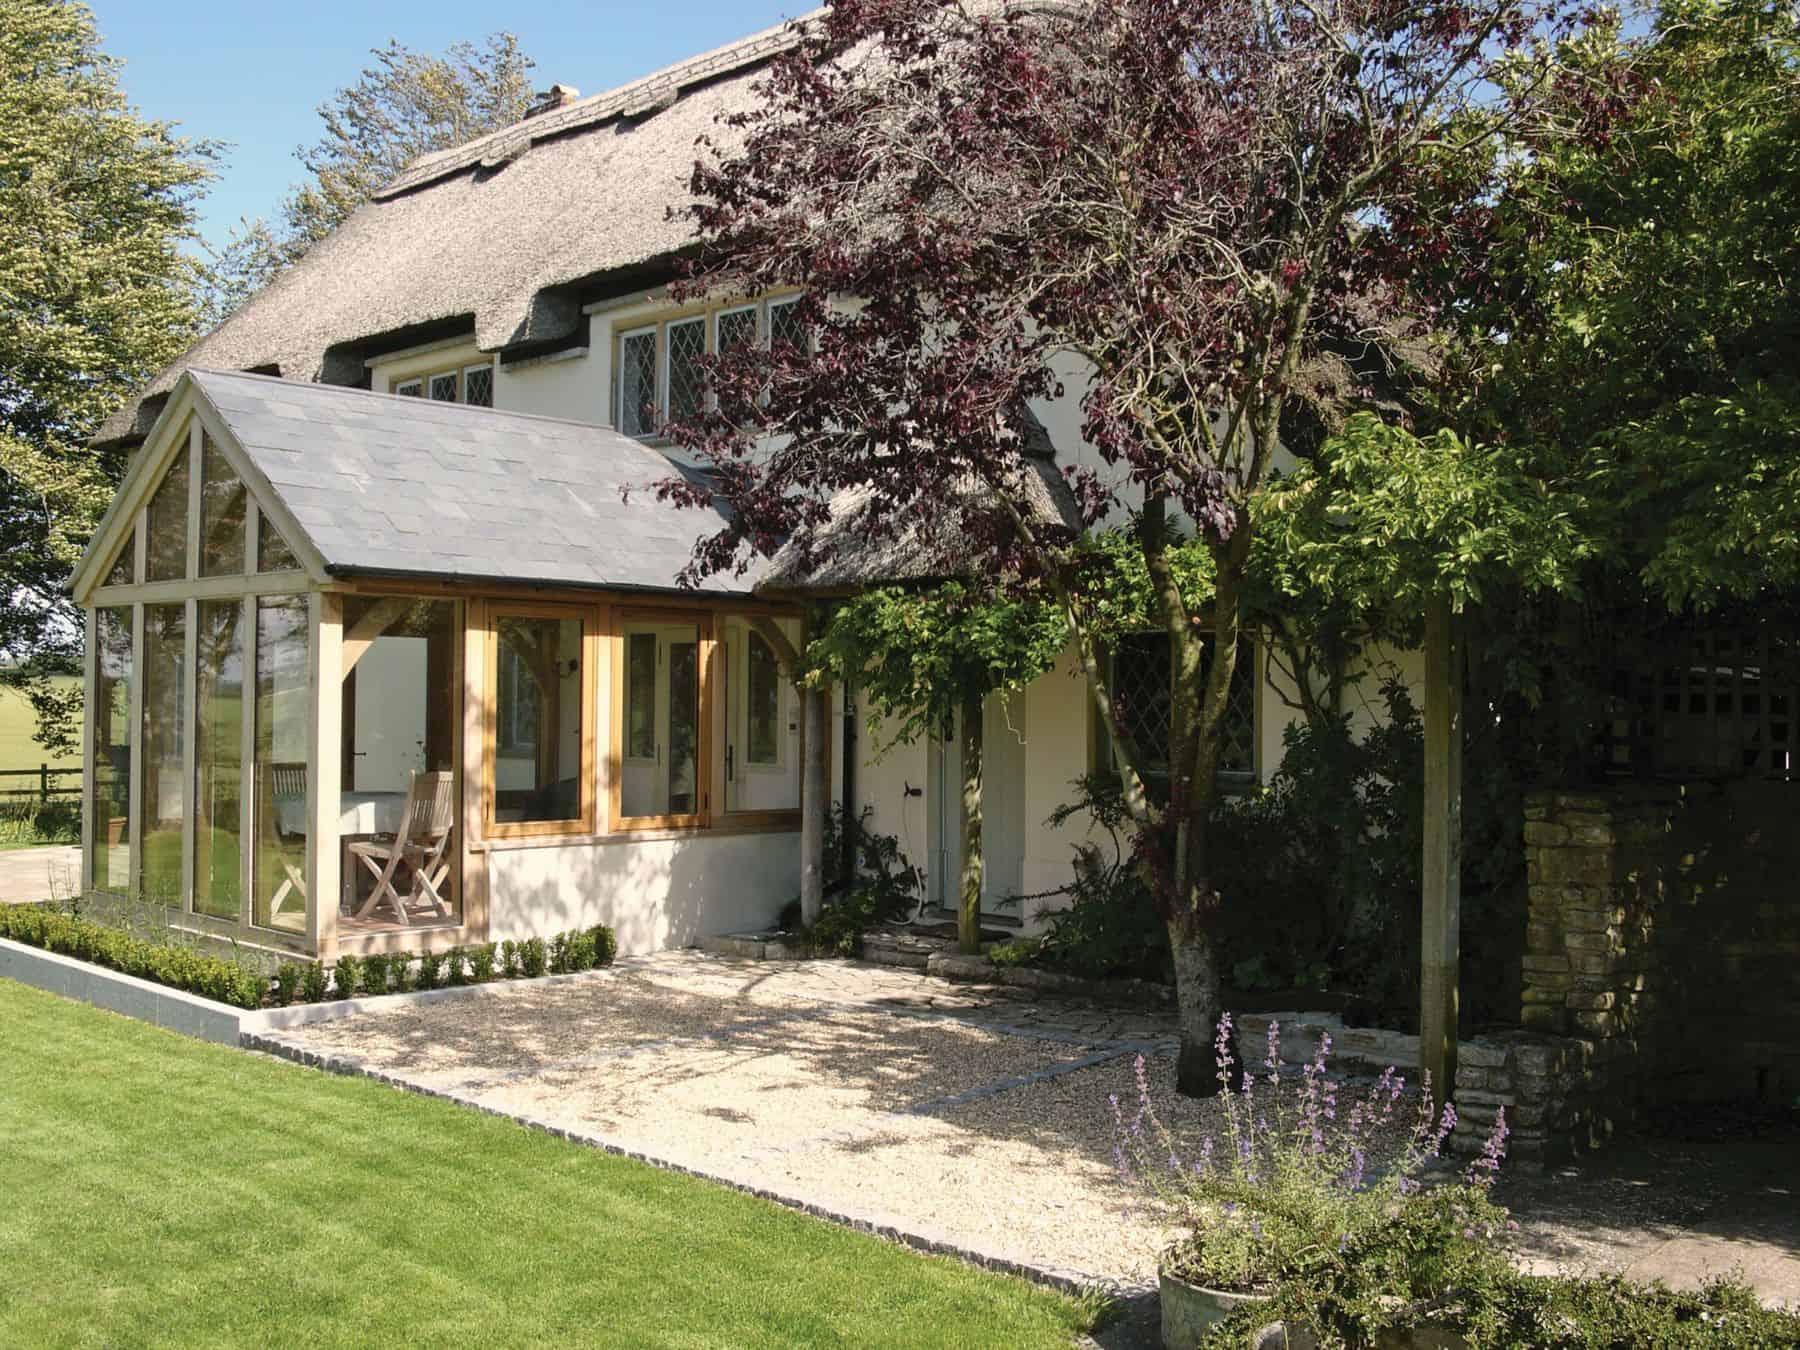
{"points": [[814, 789], [1441, 911]]}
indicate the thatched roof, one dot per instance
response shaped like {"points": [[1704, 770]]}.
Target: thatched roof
{"points": [[857, 546], [510, 233]]}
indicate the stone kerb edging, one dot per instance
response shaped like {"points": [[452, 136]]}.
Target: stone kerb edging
{"points": [[872, 1222], [959, 969]]}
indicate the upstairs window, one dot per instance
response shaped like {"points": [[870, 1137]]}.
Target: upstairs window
{"points": [[659, 373], [473, 385]]}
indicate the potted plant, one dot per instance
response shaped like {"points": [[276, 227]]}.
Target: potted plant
{"points": [[1296, 1200]]}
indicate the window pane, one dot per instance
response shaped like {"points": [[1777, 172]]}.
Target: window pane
{"points": [[166, 559], [410, 389], [537, 767], [640, 696], [283, 693], [737, 328], [218, 759], [662, 687], [478, 386], [785, 326], [687, 381], [111, 824], [1140, 668], [222, 504], [272, 551], [164, 734], [637, 383], [762, 690], [124, 568], [399, 709], [443, 387]]}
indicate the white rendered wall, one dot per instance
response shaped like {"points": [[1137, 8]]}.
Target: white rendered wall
{"points": [[657, 894]]}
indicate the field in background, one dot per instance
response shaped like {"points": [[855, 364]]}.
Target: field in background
{"points": [[18, 724]]}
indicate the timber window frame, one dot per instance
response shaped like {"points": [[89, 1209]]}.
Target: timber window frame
{"points": [[587, 677]]}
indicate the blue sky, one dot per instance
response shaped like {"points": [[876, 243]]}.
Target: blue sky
{"points": [[253, 73]]}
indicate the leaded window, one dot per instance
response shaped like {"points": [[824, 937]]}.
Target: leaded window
{"points": [[637, 383], [687, 378], [1143, 700]]}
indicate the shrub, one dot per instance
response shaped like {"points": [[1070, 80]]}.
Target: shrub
{"points": [[179, 967], [375, 973], [532, 957], [481, 963], [509, 959], [559, 954], [606, 945], [344, 976], [1110, 927], [1288, 1199], [431, 969], [455, 967], [287, 982], [313, 982], [400, 971], [880, 886]]}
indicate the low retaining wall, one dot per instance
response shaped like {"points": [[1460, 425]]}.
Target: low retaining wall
{"points": [[202, 1018]]}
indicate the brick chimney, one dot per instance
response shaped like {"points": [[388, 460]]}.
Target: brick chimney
{"points": [[549, 100]]}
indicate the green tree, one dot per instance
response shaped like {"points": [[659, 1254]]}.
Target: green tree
{"points": [[96, 294], [1642, 341], [404, 104]]}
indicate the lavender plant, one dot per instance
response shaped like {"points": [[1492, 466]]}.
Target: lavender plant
{"points": [[1294, 1186]]}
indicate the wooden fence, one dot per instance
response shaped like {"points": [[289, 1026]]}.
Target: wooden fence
{"points": [[42, 783]]}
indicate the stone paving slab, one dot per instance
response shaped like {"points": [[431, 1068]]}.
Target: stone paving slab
{"points": [[32, 874]]}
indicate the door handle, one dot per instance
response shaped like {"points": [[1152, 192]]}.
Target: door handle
{"points": [[730, 760]]}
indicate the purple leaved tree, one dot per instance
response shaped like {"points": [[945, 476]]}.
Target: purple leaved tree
{"points": [[1177, 204]]}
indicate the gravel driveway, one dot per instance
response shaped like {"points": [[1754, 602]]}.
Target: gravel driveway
{"points": [[976, 1118]]}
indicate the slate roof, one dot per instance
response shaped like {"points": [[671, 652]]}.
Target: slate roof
{"points": [[387, 485], [511, 233]]}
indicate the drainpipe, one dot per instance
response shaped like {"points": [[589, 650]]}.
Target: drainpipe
{"points": [[847, 864]]}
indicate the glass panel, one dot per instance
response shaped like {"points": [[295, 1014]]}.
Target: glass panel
{"points": [[1140, 666], [666, 780], [401, 702], [410, 389], [124, 568], [640, 697], [164, 733], [111, 839], [283, 692], [272, 551], [219, 759], [222, 509], [785, 326], [537, 715], [478, 386], [737, 328], [166, 536], [443, 387], [687, 381], [762, 694], [637, 383], [762, 722]]}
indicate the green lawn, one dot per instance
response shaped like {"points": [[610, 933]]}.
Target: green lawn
{"points": [[159, 1191]]}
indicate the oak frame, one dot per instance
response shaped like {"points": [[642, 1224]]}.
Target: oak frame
{"points": [[702, 620], [589, 615]]}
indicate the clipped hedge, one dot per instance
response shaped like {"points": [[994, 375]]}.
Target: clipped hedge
{"points": [[160, 962], [395, 973]]}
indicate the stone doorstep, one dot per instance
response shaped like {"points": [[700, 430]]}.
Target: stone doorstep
{"points": [[766, 946]]}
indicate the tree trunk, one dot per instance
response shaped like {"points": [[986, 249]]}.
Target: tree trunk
{"points": [[1197, 1005], [814, 788], [1440, 928], [968, 916]]}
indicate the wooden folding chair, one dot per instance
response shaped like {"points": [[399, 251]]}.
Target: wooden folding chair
{"points": [[422, 843], [282, 782]]}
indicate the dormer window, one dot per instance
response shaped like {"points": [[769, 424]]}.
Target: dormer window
{"points": [[473, 385], [659, 364]]}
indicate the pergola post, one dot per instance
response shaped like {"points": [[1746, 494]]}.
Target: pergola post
{"points": [[815, 788], [1441, 891], [968, 914]]}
